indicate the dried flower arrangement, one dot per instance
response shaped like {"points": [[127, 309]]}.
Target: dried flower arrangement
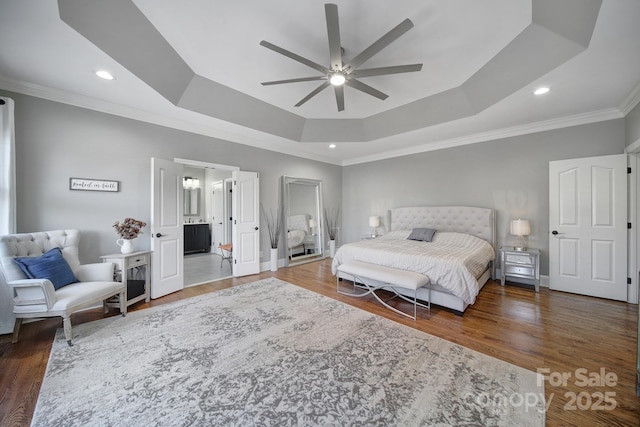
{"points": [[129, 228]]}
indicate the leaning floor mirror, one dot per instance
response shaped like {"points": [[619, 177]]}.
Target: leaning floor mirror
{"points": [[303, 225]]}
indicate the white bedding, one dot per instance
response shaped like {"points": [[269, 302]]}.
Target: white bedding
{"points": [[451, 260]]}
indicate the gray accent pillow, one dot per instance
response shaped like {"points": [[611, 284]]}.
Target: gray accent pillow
{"points": [[424, 234]]}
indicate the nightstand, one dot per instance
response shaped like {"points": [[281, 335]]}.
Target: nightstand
{"points": [[133, 270], [524, 264]]}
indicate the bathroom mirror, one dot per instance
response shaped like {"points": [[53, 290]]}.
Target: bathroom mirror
{"points": [[191, 202], [303, 225]]}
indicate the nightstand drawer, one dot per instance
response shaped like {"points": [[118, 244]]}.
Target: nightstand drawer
{"points": [[519, 258], [136, 261], [519, 270]]}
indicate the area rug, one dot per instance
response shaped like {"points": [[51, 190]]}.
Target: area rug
{"points": [[271, 353]]}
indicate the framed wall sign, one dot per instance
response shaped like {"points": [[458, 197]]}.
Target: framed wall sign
{"points": [[85, 184]]}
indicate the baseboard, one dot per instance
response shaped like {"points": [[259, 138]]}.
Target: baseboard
{"points": [[544, 280]]}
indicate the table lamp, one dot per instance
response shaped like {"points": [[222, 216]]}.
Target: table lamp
{"points": [[520, 228], [374, 222]]}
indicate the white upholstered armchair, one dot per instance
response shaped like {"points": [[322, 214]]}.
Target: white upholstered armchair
{"points": [[69, 286]]}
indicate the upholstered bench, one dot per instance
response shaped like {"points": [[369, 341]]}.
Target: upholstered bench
{"points": [[377, 277]]}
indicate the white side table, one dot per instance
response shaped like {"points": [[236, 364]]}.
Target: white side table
{"points": [[524, 264], [134, 271]]}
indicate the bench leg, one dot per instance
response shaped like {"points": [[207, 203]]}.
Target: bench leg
{"points": [[371, 290]]}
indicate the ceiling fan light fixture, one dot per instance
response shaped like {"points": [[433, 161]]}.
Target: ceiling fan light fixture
{"points": [[339, 72], [337, 79]]}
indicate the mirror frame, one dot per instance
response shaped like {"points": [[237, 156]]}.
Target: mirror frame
{"points": [[317, 184]]}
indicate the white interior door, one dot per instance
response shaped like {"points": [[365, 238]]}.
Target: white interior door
{"points": [[217, 233], [588, 223], [246, 223], [166, 228]]}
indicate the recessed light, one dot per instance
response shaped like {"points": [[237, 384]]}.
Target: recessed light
{"points": [[104, 75], [541, 91], [332, 146]]}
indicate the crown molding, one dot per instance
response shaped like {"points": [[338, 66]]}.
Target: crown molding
{"points": [[631, 100], [559, 123], [82, 101], [287, 147]]}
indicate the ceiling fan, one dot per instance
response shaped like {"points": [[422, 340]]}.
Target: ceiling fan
{"points": [[341, 73]]}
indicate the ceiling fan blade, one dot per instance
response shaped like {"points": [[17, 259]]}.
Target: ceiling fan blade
{"points": [[381, 43], [302, 79], [387, 70], [313, 93], [366, 89], [333, 31], [339, 97], [295, 57]]}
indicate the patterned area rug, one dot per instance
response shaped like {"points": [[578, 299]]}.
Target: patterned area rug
{"points": [[271, 353]]}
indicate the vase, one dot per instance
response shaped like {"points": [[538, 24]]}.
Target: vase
{"points": [[332, 248], [274, 259], [126, 245]]}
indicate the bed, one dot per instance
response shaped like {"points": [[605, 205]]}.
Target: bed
{"points": [[459, 260], [297, 232]]}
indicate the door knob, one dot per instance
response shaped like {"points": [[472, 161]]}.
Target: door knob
{"points": [[159, 235], [256, 228], [555, 232]]}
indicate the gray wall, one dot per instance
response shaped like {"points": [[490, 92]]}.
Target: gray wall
{"points": [[509, 175], [632, 125], [56, 141]]}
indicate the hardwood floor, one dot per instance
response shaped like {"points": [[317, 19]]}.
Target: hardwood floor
{"points": [[566, 334]]}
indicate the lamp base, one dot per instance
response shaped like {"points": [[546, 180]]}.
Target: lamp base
{"points": [[519, 248]]}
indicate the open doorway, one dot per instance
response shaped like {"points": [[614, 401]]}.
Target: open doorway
{"points": [[167, 222], [207, 214]]}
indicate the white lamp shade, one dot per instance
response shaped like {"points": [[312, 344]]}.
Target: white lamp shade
{"points": [[520, 227], [374, 221], [312, 223]]}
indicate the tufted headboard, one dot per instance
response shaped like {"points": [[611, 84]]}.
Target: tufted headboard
{"points": [[479, 222], [298, 222]]}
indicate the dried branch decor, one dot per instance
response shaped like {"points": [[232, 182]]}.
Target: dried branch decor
{"points": [[273, 223], [331, 220]]}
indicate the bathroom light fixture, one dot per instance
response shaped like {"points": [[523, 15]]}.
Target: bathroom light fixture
{"points": [[189, 182], [104, 75], [520, 228]]}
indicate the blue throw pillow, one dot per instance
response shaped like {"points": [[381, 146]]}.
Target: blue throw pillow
{"points": [[50, 265], [424, 234]]}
